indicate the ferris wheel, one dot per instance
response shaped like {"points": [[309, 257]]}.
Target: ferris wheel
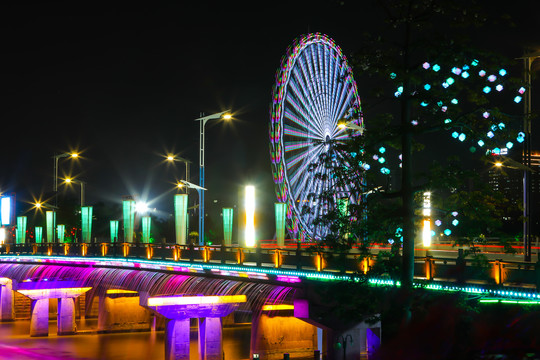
{"points": [[314, 91]]}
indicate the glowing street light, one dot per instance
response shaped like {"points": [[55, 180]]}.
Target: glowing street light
{"points": [[81, 183], [172, 158], [56, 158], [249, 235], [225, 115], [426, 212], [352, 125]]}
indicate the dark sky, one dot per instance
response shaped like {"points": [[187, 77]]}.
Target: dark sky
{"points": [[124, 84]]}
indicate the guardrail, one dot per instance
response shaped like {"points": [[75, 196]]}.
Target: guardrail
{"points": [[459, 270]]}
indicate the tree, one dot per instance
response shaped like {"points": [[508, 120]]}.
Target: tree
{"points": [[427, 79]]}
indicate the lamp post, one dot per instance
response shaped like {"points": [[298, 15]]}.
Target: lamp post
{"points": [[202, 123], [352, 125], [172, 158], [56, 158], [528, 59], [81, 183]]}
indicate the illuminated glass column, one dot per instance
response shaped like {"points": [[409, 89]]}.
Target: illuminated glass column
{"points": [[86, 224], [129, 219], [342, 205], [426, 212], [181, 218], [38, 232], [20, 234], [281, 214], [114, 231], [227, 226], [51, 220], [146, 227], [7, 209], [61, 229], [249, 234], [343, 208]]}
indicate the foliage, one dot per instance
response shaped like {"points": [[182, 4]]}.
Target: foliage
{"points": [[433, 94]]}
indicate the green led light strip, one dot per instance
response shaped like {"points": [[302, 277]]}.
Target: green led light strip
{"points": [[502, 294]]}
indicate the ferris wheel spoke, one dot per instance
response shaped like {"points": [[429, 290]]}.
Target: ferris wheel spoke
{"points": [[304, 99], [337, 73], [334, 67], [292, 131], [314, 81], [300, 110], [294, 159], [307, 106], [313, 156], [346, 103], [296, 145], [304, 79], [331, 81], [324, 67], [301, 122]]}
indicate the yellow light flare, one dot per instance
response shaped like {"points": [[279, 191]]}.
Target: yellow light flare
{"points": [[277, 307], [196, 300], [250, 216]]}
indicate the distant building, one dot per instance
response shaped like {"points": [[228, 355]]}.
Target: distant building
{"points": [[510, 182]]}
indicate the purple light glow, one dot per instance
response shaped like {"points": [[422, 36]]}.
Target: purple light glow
{"points": [[288, 279]]}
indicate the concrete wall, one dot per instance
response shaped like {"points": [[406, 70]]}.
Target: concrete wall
{"points": [[123, 313], [22, 306], [272, 336]]}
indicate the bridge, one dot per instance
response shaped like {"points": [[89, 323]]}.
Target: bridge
{"points": [[134, 287]]}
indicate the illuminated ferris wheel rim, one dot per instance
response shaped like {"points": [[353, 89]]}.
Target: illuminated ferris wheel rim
{"points": [[334, 92]]}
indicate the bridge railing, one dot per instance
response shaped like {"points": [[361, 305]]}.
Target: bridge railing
{"points": [[459, 269]]}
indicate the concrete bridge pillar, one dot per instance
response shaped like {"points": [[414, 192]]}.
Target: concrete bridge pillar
{"points": [[66, 316], [177, 339], [210, 338], [180, 309], [39, 321], [40, 293], [6, 299]]}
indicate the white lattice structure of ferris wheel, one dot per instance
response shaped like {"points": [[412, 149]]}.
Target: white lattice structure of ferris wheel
{"points": [[314, 91]]}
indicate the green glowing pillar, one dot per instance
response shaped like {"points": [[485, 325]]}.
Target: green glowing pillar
{"points": [[39, 234], [227, 226], [129, 219], [51, 220], [86, 223], [146, 226], [20, 234], [342, 205], [61, 229], [281, 214], [114, 231], [181, 218]]}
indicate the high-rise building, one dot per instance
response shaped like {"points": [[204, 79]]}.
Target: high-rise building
{"points": [[509, 181]]}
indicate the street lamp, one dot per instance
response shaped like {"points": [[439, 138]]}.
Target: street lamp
{"points": [[352, 125], [202, 122], [528, 59], [172, 158], [82, 183], [56, 158]]}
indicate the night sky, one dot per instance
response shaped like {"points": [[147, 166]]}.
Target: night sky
{"points": [[123, 84]]}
